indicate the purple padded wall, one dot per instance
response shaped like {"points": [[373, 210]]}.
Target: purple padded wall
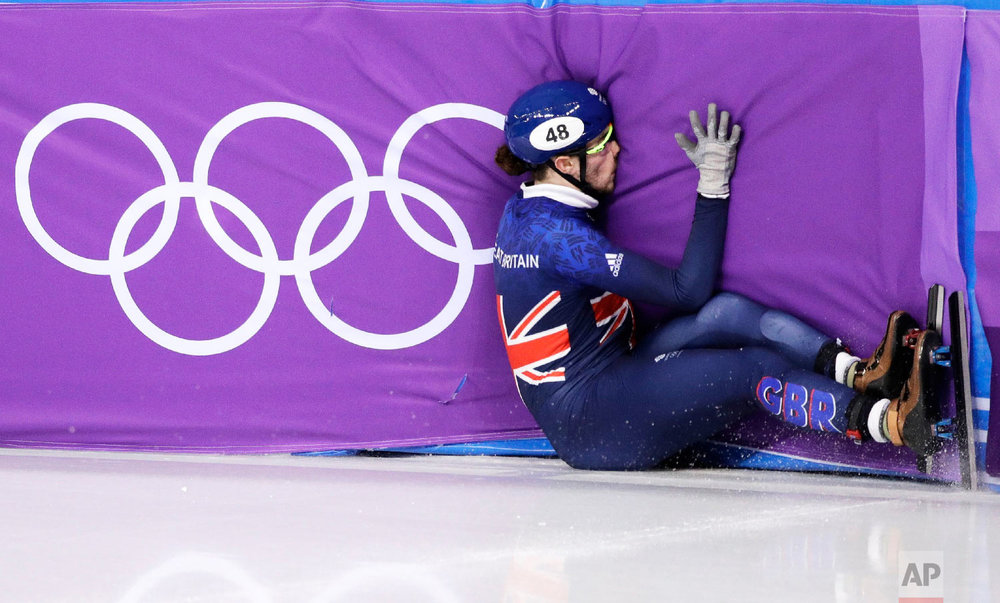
{"points": [[298, 202]]}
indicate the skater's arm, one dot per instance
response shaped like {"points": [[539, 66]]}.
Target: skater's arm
{"points": [[593, 260], [585, 255], [694, 280]]}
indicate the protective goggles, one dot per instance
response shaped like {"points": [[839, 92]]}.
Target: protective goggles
{"points": [[599, 147]]}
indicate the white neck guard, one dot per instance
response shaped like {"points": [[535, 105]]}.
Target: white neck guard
{"points": [[562, 194]]}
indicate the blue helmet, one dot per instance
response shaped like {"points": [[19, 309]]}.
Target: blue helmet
{"points": [[555, 118]]}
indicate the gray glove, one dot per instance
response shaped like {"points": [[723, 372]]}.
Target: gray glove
{"points": [[714, 154]]}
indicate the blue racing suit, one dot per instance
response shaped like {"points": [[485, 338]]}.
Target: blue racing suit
{"points": [[607, 401]]}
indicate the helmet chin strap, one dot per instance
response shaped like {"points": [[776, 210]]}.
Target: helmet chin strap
{"points": [[581, 182]]}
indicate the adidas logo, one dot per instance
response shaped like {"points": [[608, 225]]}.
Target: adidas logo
{"points": [[614, 262]]}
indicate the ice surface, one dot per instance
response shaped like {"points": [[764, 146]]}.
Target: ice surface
{"points": [[117, 527]]}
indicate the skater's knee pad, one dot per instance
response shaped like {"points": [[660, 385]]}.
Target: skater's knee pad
{"points": [[723, 304], [729, 308], [784, 329], [773, 325]]}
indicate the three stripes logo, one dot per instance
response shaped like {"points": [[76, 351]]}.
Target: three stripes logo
{"points": [[615, 262]]}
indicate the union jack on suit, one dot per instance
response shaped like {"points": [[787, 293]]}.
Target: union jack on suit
{"points": [[528, 350], [562, 292]]}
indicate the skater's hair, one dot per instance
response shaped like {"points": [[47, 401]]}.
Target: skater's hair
{"points": [[515, 166]]}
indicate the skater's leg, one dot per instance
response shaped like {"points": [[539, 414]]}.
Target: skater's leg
{"points": [[641, 411], [729, 320]]}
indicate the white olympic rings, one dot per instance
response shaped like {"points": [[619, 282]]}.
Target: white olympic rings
{"points": [[267, 262]]}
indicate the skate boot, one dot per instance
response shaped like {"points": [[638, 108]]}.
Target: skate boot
{"points": [[883, 374], [911, 418]]}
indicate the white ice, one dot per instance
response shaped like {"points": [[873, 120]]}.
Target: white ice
{"points": [[128, 527]]}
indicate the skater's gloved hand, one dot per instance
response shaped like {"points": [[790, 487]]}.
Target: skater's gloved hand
{"points": [[714, 154]]}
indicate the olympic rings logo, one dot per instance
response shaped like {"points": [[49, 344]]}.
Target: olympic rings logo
{"points": [[303, 263]]}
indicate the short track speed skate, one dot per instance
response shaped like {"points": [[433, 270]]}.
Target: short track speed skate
{"points": [[915, 417], [883, 374]]}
